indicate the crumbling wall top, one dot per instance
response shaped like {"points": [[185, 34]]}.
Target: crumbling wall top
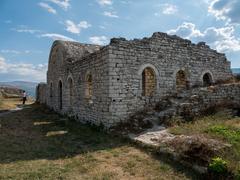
{"points": [[163, 39]]}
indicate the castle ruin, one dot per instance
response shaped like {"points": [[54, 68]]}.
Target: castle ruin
{"points": [[106, 84]]}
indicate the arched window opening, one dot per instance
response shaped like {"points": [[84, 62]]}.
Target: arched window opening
{"points": [[60, 93], [70, 91], [51, 90], [181, 80], [149, 82], [207, 79], [89, 87]]}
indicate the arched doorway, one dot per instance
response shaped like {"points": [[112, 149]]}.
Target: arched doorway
{"points": [[70, 91], [149, 82], [60, 104], [181, 80], [207, 79]]}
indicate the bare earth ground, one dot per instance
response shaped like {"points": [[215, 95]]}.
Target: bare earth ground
{"points": [[36, 143]]}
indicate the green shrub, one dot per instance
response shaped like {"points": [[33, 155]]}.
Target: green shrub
{"points": [[218, 165]]}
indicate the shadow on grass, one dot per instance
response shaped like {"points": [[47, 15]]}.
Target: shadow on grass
{"points": [[37, 133]]}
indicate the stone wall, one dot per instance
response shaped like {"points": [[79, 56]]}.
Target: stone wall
{"points": [[91, 89], [41, 93], [86, 101], [125, 75], [198, 102], [166, 56], [220, 95]]}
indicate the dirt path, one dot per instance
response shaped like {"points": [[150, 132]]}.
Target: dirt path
{"points": [[19, 108]]}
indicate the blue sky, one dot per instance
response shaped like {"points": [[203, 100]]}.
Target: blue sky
{"points": [[28, 27]]}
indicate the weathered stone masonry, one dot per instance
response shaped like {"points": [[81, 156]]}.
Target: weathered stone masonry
{"points": [[106, 84]]}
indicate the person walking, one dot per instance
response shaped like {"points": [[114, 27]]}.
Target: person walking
{"points": [[24, 97]]}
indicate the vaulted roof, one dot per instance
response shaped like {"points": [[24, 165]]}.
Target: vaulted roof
{"points": [[73, 51]]}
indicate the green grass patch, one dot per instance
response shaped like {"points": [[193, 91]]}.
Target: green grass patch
{"points": [[231, 134]]}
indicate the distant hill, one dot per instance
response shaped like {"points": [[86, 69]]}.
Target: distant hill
{"points": [[236, 70], [29, 87], [10, 92]]}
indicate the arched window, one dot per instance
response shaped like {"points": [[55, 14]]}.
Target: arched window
{"points": [[207, 79], [51, 90], [149, 82], [60, 93], [70, 91], [181, 80], [89, 86]]}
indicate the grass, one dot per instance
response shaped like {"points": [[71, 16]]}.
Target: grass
{"points": [[231, 134], [36, 143], [11, 103], [221, 126]]}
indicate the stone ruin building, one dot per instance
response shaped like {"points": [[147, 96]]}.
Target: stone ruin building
{"points": [[106, 84]]}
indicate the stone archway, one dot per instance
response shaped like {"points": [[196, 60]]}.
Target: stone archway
{"points": [[207, 79], [181, 80], [70, 91], [60, 94], [149, 82]]}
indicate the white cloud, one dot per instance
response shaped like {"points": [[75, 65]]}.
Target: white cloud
{"points": [[126, 2], [186, 30], [47, 7], [23, 71], [221, 39], [110, 14], [167, 9], [2, 65], [105, 2], [12, 51], [76, 28], [100, 40], [226, 10], [64, 4], [24, 29], [55, 36]]}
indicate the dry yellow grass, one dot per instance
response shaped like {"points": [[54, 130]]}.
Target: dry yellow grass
{"points": [[12, 103], [38, 144]]}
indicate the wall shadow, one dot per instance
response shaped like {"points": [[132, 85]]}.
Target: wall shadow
{"points": [[38, 133]]}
